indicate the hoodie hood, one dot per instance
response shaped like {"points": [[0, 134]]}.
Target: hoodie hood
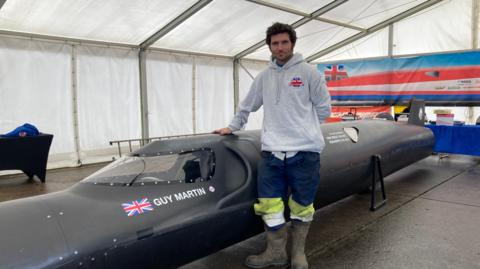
{"points": [[296, 59]]}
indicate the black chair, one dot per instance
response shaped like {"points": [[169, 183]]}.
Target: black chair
{"points": [[28, 154]]}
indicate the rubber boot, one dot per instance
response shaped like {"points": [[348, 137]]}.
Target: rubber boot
{"points": [[299, 233], [275, 254]]}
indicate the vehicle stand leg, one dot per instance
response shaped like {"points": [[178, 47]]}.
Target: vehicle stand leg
{"points": [[377, 170]]}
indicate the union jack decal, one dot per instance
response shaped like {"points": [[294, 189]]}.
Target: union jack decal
{"points": [[296, 82], [335, 72], [137, 207]]}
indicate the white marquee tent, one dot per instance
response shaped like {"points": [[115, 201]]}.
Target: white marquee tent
{"points": [[91, 71]]}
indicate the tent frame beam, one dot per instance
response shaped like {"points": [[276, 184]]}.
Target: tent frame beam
{"points": [[305, 15], [374, 28], [174, 23], [67, 40], [190, 53]]}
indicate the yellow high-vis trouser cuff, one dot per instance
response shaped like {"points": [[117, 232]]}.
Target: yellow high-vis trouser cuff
{"points": [[300, 212], [271, 210]]}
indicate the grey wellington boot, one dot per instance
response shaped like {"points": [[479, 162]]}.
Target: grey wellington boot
{"points": [[275, 254], [299, 233]]}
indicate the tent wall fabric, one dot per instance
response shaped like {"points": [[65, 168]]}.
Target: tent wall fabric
{"points": [[108, 104], [188, 94], [213, 94], [248, 71], [100, 96], [35, 87], [170, 94]]}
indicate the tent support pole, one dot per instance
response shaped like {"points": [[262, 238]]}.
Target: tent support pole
{"points": [[142, 57]]}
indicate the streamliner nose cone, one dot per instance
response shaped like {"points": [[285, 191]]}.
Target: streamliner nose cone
{"points": [[30, 235]]}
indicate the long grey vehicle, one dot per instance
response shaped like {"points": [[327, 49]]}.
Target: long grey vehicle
{"points": [[177, 200]]}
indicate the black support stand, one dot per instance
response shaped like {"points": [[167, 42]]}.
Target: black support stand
{"points": [[377, 166]]}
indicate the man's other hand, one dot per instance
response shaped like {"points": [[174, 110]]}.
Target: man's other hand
{"points": [[223, 131]]}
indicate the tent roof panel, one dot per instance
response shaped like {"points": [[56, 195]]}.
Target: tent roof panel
{"points": [[368, 13], [307, 6], [374, 45], [432, 25], [312, 37], [224, 27], [231, 27], [120, 21], [315, 36]]}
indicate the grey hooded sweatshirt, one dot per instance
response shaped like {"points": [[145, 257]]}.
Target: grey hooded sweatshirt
{"points": [[295, 101]]}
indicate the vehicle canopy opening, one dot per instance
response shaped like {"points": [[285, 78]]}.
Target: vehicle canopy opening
{"points": [[186, 166]]}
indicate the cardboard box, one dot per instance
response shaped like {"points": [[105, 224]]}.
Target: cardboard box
{"points": [[445, 119]]}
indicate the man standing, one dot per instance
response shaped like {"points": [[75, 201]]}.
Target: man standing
{"points": [[295, 100]]}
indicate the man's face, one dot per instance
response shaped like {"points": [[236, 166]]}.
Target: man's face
{"points": [[281, 47]]}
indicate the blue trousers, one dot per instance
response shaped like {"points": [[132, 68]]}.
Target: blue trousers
{"points": [[300, 174]]}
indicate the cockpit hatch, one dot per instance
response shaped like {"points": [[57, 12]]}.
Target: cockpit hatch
{"points": [[186, 166]]}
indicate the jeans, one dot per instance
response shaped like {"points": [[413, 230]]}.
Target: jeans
{"points": [[301, 173]]}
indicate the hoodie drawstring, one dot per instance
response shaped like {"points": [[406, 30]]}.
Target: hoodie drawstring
{"points": [[279, 83]]}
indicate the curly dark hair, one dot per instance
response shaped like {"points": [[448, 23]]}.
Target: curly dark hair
{"points": [[279, 28]]}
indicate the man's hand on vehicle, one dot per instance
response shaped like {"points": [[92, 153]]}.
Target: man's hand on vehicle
{"points": [[223, 131]]}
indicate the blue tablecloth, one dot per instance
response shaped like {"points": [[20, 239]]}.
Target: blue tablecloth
{"points": [[457, 139]]}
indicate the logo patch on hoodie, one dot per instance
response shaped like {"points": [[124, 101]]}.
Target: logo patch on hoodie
{"points": [[296, 82]]}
